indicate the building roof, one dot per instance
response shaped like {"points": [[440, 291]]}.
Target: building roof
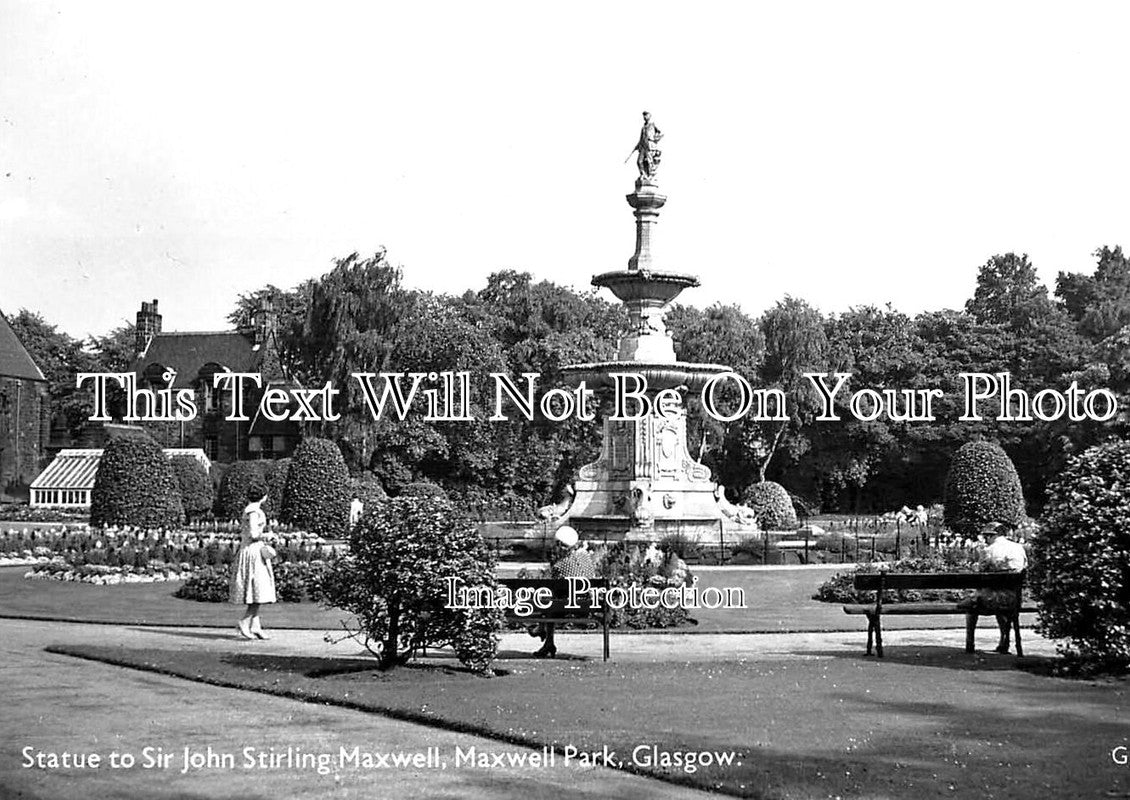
{"points": [[15, 361], [75, 468], [187, 352]]}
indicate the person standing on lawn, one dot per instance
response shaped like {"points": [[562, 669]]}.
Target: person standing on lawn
{"points": [[571, 561], [253, 577]]}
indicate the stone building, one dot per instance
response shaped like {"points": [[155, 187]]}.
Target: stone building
{"points": [[24, 417], [195, 357]]}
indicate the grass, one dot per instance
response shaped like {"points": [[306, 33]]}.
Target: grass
{"points": [[925, 722], [777, 602]]}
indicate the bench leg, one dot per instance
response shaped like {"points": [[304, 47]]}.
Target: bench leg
{"points": [[870, 631], [606, 640], [1016, 627], [970, 631]]}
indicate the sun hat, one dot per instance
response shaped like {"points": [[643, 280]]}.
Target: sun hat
{"points": [[567, 536]]}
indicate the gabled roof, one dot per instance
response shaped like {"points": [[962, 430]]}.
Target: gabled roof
{"points": [[15, 362], [187, 352]]}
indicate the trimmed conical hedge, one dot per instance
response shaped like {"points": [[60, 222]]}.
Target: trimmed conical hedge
{"points": [[982, 487], [316, 497], [135, 486]]}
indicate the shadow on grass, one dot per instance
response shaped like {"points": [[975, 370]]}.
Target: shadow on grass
{"points": [[189, 634], [945, 658], [806, 728]]}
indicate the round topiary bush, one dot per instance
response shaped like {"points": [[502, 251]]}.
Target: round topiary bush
{"points": [[1080, 575], [276, 486], [237, 480], [772, 506], [135, 486], [982, 487], [316, 497], [367, 488], [195, 485], [395, 580]]}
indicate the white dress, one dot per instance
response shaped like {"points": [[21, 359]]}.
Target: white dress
{"points": [[253, 578]]}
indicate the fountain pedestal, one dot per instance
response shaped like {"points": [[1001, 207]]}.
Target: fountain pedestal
{"points": [[645, 485]]}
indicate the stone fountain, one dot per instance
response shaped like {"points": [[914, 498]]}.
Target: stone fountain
{"points": [[645, 485]]}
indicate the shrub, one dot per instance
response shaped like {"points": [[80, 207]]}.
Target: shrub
{"points": [[681, 545], [317, 488], [277, 472], [840, 587], [135, 486], [422, 489], [772, 506], [195, 486], [237, 480], [624, 565], [1079, 574], [205, 586], [982, 487], [367, 488], [395, 581]]}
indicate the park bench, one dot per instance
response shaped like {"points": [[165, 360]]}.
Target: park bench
{"points": [[556, 613], [879, 582]]}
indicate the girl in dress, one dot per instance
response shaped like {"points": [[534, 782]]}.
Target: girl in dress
{"points": [[253, 579]]}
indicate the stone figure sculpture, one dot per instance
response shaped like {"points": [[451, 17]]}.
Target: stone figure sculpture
{"points": [[647, 149]]}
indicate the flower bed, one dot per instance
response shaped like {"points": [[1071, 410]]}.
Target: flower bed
{"points": [[103, 575], [295, 582]]}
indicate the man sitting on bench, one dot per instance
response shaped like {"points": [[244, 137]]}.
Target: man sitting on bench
{"points": [[1007, 555]]}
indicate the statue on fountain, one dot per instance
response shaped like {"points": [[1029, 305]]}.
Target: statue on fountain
{"points": [[647, 150]]}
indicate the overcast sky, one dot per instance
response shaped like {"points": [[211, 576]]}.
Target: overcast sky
{"points": [[848, 153]]}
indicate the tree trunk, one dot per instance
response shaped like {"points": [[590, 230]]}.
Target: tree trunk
{"points": [[389, 653]]}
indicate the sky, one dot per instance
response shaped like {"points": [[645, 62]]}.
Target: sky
{"points": [[848, 153]]}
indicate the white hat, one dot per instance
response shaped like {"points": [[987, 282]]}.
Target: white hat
{"points": [[567, 536]]}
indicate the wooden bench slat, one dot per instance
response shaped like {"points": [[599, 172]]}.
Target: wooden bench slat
{"points": [[920, 608], [939, 580]]}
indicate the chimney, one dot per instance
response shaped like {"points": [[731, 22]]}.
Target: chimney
{"points": [[148, 324], [264, 321]]}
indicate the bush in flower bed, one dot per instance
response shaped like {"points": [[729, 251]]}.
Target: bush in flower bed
{"points": [[237, 480], [982, 487], [840, 589], [195, 486], [771, 505], [317, 485], [1080, 571], [295, 582], [135, 485], [276, 474], [625, 565], [395, 581]]}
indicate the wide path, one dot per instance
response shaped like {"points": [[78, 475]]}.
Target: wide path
{"points": [[54, 703]]}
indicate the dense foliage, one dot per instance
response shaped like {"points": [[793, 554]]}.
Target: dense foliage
{"points": [[772, 506], [195, 486], [360, 317], [395, 581], [135, 486], [276, 473], [316, 497], [1080, 571], [982, 487], [236, 482]]}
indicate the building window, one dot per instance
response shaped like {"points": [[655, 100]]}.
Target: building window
{"points": [[211, 447]]}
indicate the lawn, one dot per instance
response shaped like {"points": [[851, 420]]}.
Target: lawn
{"points": [[777, 601], [925, 722]]}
